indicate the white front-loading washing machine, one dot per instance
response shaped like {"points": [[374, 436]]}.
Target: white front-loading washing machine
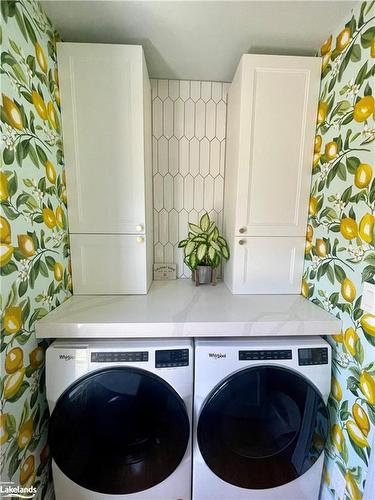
{"points": [[120, 425], [260, 418]]}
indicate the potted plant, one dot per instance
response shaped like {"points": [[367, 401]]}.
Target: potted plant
{"points": [[203, 249]]}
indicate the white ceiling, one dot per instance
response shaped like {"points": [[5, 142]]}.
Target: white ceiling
{"points": [[200, 40]]}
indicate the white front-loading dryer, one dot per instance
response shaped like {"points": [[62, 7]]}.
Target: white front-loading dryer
{"points": [[260, 418], [120, 425]]}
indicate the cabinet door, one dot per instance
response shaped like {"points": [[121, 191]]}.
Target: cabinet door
{"points": [[102, 107], [278, 107], [108, 264], [268, 265]]}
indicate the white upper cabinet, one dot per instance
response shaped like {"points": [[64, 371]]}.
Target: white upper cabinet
{"points": [[273, 100], [102, 93]]}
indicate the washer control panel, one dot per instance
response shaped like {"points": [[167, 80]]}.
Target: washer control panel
{"points": [[264, 354], [313, 356], [171, 357], [118, 357]]}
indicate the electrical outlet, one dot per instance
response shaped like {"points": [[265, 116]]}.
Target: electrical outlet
{"points": [[337, 483], [368, 298]]}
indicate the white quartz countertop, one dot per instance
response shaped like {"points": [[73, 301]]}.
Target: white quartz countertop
{"points": [[179, 309]]}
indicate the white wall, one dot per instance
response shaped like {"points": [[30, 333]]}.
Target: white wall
{"points": [[189, 122]]}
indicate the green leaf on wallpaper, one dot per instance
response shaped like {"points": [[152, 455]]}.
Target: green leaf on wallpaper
{"points": [[41, 154], [8, 156], [4, 10], [359, 354], [361, 75], [352, 24], [367, 37], [8, 268], [368, 90], [352, 383], [355, 54], [339, 273], [341, 171], [344, 63], [15, 461], [344, 452], [346, 194], [20, 23], [30, 30], [371, 412], [359, 451], [352, 163], [330, 275], [370, 338], [10, 424], [368, 273], [19, 393]]}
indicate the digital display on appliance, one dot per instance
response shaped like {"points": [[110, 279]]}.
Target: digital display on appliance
{"points": [[168, 358], [313, 356]]}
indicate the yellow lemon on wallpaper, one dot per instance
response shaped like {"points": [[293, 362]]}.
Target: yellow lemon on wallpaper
{"points": [[322, 111], [64, 196], [343, 39], [60, 217], [326, 477], [316, 159], [367, 385], [12, 113], [309, 232], [348, 290], [331, 150], [338, 338], [361, 418], [325, 60], [26, 245], [5, 231], [63, 177], [337, 436], [366, 227], [39, 105], [368, 324], [364, 108], [350, 340], [348, 228], [13, 382], [356, 434], [27, 469], [36, 357], [313, 206], [56, 93], [4, 193], [326, 47], [50, 171], [3, 429], [372, 50], [305, 290], [25, 433], [52, 116], [336, 389], [321, 247], [308, 246], [12, 319], [352, 487], [6, 252], [58, 271], [14, 360], [318, 143], [49, 217], [41, 57], [363, 175]]}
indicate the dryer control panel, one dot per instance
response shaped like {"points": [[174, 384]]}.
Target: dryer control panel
{"points": [[264, 354], [313, 356], [116, 357], [171, 357]]}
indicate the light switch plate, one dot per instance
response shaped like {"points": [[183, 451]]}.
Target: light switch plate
{"points": [[368, 298]]}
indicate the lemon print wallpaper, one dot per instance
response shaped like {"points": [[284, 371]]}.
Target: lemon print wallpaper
{"points": [[340, 242], [35, 275]]}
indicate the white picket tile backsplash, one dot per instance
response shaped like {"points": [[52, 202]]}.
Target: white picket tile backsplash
{"points": [[189, 122]]}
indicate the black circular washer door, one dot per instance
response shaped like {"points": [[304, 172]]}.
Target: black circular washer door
{"points": [[119, 431], [262, 427]]}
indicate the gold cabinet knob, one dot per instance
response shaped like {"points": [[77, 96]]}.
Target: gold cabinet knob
{"points": [[139, 228], [140, 239], [242, 230], [242, 242]]}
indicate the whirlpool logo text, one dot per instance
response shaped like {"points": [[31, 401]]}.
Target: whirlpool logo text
{"points": [[66, 357], [217, 355]]}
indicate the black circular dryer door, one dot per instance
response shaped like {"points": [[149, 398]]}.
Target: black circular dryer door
{"points": [[119, 431], [262, 427]]}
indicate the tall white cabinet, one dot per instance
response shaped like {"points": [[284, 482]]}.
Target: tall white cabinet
{"points": [[106, 113], [272, 106]]}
